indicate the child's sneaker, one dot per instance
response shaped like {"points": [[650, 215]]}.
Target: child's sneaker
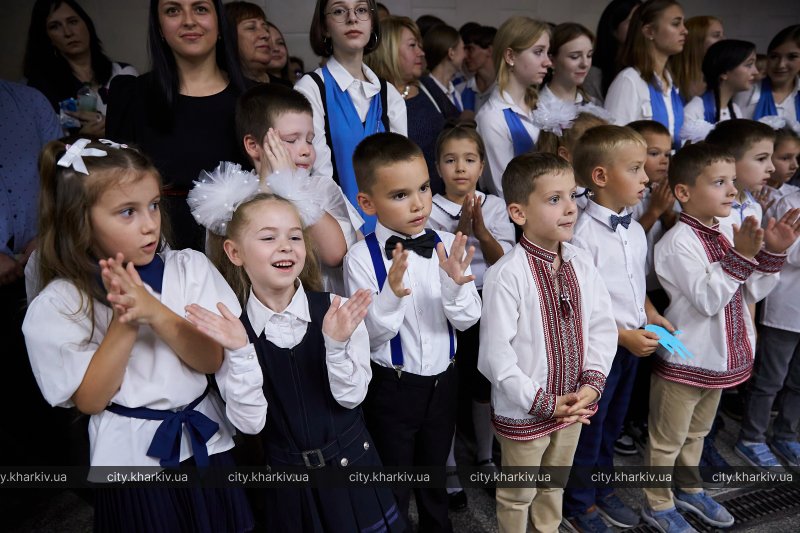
{"points": [[669, 521], [788, 451], [588, 522], [624, 445], [756, 454], [615, 511], [704, 507], [639, 433]]}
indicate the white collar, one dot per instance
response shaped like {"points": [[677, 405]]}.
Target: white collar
{"points": [[260, 315], [449, 90], [344, 79], [451, 208], [382, 233], [545, 93]]}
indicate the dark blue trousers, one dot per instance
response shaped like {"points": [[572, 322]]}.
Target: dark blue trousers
{"points": [[596, 444]]}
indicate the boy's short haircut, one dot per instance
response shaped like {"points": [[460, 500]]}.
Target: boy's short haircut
{"points": [[258, 108], [649, 126], [739, 134], [519, 178], [692, 159], [598, 146], [378, 151]]}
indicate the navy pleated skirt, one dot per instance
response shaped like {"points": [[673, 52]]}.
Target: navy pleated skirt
{"points": [[174, 510]]}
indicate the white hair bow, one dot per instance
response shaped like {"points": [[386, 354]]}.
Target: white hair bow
{"points": [[74, 156], [113, 144]]}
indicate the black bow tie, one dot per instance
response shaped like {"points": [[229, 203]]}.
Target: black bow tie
{"points": [[617, 220], [422, 245]]}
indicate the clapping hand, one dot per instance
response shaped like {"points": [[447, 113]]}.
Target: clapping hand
{"points": [[455, 264], [227, 329], [342, 320]]}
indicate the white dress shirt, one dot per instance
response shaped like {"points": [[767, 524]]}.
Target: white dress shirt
{"points": [[657, 230], [621, 257], [530, 351], [493, 128], [240, 378], [547, 96], [446, 214], [748, 100], [628, 99], [61, 345], [709, 304], [421, 317], [695, 111], [776, 195], [361, 94], [739, 212], [782, 306]]}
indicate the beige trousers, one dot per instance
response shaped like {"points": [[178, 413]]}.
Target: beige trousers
{"points": [[680, 418], [542, 505]]}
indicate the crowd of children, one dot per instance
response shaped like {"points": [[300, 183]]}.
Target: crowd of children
{"points": [[340, 304]]}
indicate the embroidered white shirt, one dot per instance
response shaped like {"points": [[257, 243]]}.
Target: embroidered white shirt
{"points": [[521, 352], [621, 257], [493, 128], [421, 317], [700, 291], [446, 214]]}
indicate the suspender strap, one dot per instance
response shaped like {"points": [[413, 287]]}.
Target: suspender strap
{"points": [[376, 254]]}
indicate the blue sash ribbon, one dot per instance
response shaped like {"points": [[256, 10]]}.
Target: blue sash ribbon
{"points": [[468, 97], [166, 443], [766, 102], [660, 114], [395, 345], [709, 107], [519, 135], [347, 131]]}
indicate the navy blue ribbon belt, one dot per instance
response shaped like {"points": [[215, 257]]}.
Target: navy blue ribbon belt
{"points": [[166, 443]]}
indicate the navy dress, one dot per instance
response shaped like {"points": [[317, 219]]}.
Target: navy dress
{"points": [[307, 427], [425, 123]]}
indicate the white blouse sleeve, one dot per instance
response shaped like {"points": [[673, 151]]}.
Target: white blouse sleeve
{"points": [[499, 148], [623, 100], [349, 371], [308, 88], [60, 340], [498, 223], [398, 118], [241, 382]]}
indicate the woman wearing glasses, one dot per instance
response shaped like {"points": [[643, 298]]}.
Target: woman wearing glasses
{"points": [[350, 102]]}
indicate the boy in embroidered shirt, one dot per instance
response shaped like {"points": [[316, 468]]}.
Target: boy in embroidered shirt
{"points": [[547, 336], [420, 299], [709, 282], [610, 161], [275, 125]]}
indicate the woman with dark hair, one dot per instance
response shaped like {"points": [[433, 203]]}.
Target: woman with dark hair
{"points": [[611, 32], [349, 101], [572, 51], [63, 54], [778, 94], [444, 53], [729, 67], [181, 113], [248, 22], [644, 90]]}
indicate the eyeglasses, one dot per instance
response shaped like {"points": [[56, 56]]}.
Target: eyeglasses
{"points": [[341, 14]]}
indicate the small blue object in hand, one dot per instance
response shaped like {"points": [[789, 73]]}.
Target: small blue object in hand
{"points": [[670, 341]]}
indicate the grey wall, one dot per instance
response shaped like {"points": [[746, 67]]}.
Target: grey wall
{"points": [[122, 24]]}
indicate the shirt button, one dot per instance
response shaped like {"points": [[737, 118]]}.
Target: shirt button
{"points": [[626, 242], [344, 461], [366, 445]]}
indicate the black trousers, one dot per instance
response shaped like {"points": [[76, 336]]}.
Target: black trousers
{"points": [[411, 419]]}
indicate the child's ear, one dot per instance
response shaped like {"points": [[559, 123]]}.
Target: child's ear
{"points": [[517, 214], [563, 153], [682, 192], [252, 147], [508, 56], [232, 251], [599, 177], [365, 203]]}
